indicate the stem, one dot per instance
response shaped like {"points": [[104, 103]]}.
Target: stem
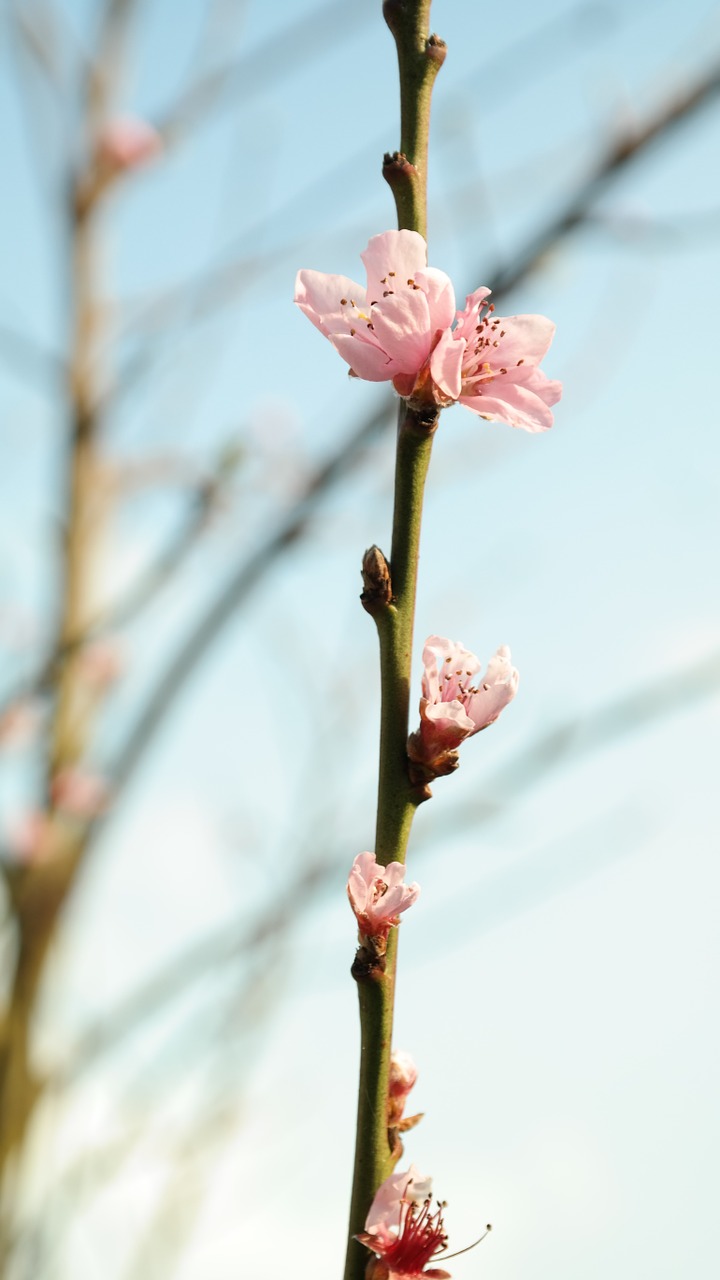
{"points": [[397, 802], [397, 797], [419, 59]]}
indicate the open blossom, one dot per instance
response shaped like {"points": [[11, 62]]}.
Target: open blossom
{"points": [[400, 330], [452, 707], [377, 895], [402, 1229]]}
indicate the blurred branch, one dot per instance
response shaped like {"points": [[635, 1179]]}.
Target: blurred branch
{"points": [[234, 593], [30, 354], [628, 147], [139, 594], [674, 691], [218, 947], [298, 44]]}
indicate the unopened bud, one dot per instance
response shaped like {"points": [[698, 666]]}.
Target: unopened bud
{"points": [[377, 585]]}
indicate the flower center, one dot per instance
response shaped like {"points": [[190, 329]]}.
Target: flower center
{"points": [[421, 1236]]}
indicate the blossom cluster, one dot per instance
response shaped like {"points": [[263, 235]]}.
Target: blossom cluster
{"points": [[403, 328]]}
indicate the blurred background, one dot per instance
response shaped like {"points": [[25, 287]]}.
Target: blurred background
{"points": [[189, 687]]}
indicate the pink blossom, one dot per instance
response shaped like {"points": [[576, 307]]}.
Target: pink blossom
{"points": [[377, 895], [79, 794], [452, 708], [127, 141], [400, 330], [402, 1230]]}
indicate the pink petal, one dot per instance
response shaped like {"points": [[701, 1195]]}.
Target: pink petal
{"points": [[318, 296], [514, 404], [444, 725], [497, 689], [401, 253], [527, 338], [446, 364], [467, 318], [365, 359], [440, 295], [402, 328]]}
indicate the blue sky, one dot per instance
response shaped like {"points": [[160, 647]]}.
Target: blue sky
{"points": [[558, 975]]}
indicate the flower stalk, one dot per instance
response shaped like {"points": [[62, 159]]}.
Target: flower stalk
{"points": [[375, 1149]]}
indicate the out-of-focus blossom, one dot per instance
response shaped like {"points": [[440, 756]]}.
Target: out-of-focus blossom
{"points": [[18, 724], [126, 142], [32, 838], [400, 329], [377, 895], [101, 663], [402, 1229], [452, 707], [79, 794]]}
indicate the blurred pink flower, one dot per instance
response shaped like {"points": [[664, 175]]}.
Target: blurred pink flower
{"points": [[127, 141], [31, 838], [377, 895], [101, 663], [18, 723], [451, 707], [402, 1229], [400, 330], [80, 794]]}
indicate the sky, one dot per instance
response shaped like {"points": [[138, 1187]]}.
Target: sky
{"points": [[558, 974]]}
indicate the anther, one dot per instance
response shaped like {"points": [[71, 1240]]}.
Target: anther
{"points": [[521, 361], [343, 302]]}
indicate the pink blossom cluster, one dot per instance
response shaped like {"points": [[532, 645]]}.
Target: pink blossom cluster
{"points": [[404, 328]]}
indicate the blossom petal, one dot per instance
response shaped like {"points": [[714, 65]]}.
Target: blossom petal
{"points": [[516, 404], [318, 296], [393, 255], [402, 328], [440, 295], [526, 338], [446, 364], [365, 359], [497, 689]]}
